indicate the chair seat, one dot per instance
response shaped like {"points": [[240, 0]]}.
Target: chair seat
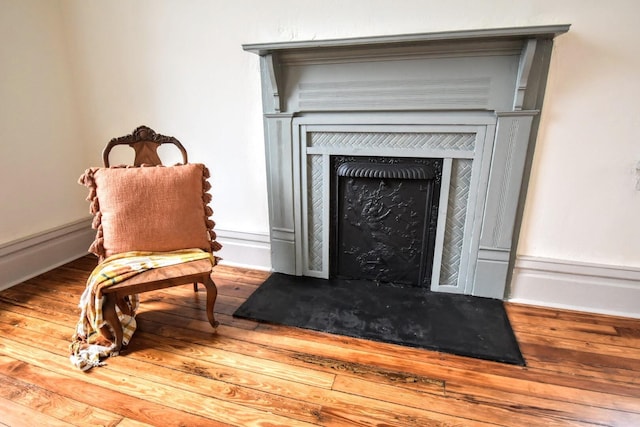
{"points": [[163, 277], [189, 272]]}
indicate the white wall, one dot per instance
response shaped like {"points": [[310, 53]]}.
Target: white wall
{"points": [[583, 204], [41, 154], [178, 67]]}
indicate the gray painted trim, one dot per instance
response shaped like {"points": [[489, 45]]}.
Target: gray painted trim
{"points": [[596, 288], [247, 250], [26, 258], [524, 69], [326, 78], [443, 209], [423, 127]]}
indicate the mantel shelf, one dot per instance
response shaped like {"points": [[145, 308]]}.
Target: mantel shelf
{"points": [[542, 31]]}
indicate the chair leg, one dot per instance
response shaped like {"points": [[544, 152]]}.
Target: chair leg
{"points": [[212, 294], [111, 317], [195, 286]]}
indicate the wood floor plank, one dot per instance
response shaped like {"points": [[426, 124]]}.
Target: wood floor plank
{"points": [[222, 392], [17, 415], [582, 369], [85, 388], [586, 319], [571, 343], [185, 381], [282, 402], [568, 329], [255, 364], [321, 396], [426, 363], [480, 411], [559, 392], [128, 422], [618, 381], [582, 363], [30, 393], [41, 334], [160, 394], [567, 411]]}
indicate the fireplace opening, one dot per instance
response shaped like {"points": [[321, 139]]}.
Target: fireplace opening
{"points": [[384, 215]]}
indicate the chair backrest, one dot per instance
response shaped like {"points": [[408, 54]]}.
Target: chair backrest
{"points": [[145, 142], [178, 218]]}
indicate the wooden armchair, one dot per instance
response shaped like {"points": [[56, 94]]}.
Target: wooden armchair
{"points": [[145, 142]]}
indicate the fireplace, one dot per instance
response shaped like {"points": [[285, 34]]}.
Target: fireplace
{"points": [[384, 215], [346, 121]]}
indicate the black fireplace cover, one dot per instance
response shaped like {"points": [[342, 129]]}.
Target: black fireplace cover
{"points": [[383, 218], [406, 315]]}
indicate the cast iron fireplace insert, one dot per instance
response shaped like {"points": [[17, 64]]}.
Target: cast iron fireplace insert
{"points": [[384, 214]]}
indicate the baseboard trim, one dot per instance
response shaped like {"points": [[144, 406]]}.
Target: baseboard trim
{"points": [[28, 257], [595, 288], [247, 250]]}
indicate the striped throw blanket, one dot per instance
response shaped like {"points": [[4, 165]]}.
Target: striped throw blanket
{"points": [[89, 345]]}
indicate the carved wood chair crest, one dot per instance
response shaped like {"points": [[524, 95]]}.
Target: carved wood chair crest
{"points": [[145, 142]]}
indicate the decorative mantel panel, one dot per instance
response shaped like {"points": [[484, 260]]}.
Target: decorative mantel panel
{"points": [[470, 99]]}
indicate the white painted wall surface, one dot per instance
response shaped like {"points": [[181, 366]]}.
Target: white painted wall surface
{"points": [[41, 153], [179, 68]]}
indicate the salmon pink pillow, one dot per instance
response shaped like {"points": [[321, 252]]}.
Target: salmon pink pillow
{"points": [[154, 208]]}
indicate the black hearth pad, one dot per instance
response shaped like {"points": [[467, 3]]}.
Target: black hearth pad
{"points": [[414, 317]]}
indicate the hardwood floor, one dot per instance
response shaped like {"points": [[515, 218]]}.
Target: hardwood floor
{"points": [[582, 369]]}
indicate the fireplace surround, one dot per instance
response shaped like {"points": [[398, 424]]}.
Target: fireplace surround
{"points": [[469, 99]]}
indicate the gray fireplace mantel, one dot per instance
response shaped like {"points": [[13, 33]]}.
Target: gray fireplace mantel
{"points": [[471, 98]]}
